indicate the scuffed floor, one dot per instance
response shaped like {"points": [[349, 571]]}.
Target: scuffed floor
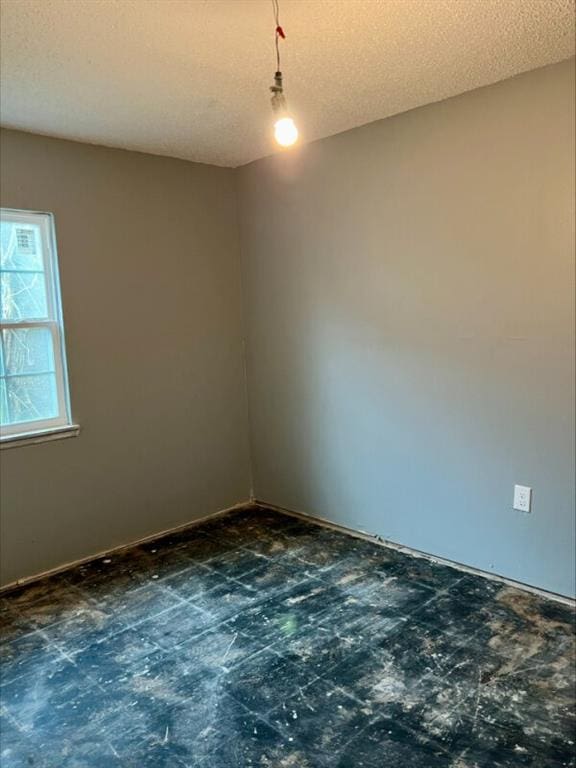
{"points": [[260, 640]]}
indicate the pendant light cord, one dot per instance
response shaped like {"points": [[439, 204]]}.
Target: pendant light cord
{"points": [[278, 32]]}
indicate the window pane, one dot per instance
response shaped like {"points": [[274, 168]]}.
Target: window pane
{"points": [[20, 246], [32, 398], [23, 296], [28, 350], [32, 376], [4, 418]]}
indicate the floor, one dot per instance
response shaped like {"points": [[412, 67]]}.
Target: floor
{"points": [[260, 640]]}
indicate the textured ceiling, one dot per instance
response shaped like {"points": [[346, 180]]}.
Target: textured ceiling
{"points": [[190, 78]]}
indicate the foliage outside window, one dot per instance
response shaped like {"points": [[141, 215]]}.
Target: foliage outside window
{"points": [[33, 378]]}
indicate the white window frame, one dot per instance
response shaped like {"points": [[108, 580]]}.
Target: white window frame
{"points": [[62, 424]]}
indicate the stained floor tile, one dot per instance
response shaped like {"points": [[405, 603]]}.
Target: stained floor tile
{"points": [[385, 742], [112, 659], [175, 626], [265, 681], [322, 718], [24, 654], [260, 639]]}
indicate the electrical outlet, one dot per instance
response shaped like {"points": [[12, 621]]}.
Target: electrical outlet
{"points": [[522, 498]]}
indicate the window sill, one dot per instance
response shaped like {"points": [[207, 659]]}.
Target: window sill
{"points": [[42, 436]]}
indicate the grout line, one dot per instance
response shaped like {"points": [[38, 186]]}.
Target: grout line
{"points": [[182, 600], [279, 593], [382, 542]]}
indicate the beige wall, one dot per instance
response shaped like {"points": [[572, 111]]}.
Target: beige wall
{"points": [[148, 252], [409, 293]]}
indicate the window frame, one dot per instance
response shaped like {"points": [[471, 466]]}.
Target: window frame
{"points": [[61, 424]]}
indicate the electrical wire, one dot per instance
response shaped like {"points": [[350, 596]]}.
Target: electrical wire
{"points": [[277, 30]]}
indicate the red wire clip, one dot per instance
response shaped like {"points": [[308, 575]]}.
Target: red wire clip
{"points": [[280, 32]]}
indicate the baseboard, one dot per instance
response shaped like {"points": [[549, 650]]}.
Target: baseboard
{"points": [[374, 538], [115, 550]]}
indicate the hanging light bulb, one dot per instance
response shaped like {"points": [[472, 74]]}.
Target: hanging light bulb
{"points": [[285, 130]]}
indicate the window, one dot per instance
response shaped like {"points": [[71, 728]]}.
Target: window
{"points": [[33, 381]]}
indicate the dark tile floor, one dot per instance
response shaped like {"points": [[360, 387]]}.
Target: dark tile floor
{"points": [[260, 640]]}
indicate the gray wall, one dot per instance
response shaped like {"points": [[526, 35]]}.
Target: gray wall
{"points": [[148, 251], [409, 289]]}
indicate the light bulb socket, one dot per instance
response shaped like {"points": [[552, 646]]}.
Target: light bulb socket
{"points": [[278, 99], [277, 81]]}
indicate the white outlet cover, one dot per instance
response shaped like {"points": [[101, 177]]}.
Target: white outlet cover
{"points": [[522, 498]]}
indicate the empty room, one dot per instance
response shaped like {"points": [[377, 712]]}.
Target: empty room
{"points": [[287, 384]]}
